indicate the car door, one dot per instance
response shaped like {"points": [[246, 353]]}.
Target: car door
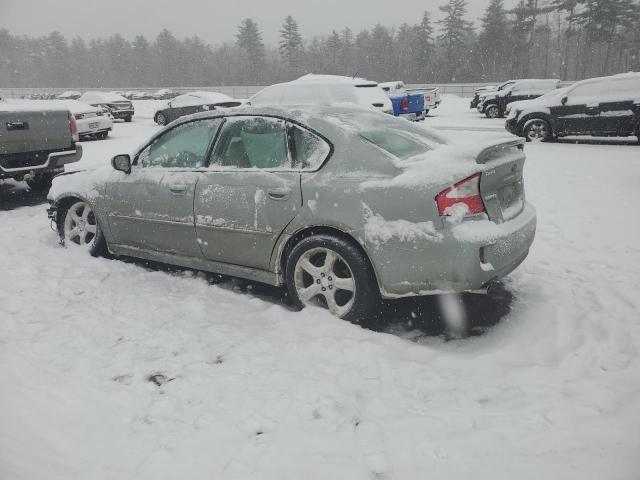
{"points": [[250, 193], [577, 112], [152, 207], [616, 108]]}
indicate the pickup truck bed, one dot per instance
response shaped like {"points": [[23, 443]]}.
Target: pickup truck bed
{"points": [[36, 143], [410, 105]]}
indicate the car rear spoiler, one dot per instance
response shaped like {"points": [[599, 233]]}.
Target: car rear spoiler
{"points": [[498, 150]]}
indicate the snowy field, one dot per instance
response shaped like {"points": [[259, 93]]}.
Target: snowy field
{"points": [[118, 370]]}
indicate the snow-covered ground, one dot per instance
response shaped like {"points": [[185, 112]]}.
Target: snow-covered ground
{"points": [[250, 390]]}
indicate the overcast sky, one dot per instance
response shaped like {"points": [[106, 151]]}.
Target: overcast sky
{"points": [[214, 21]]}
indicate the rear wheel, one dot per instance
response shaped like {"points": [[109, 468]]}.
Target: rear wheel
{"points": [[79, 227], [492, 111], [537, 130], [102, 135], [40, 182], [127, 119], [426, 112], [161, 119], [332, 273]]}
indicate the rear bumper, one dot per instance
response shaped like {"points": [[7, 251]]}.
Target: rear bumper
{"points": [[90, 126], [121, 114], [54, 162], [453, 264], [414, 116]]}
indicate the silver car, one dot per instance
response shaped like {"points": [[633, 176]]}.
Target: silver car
{"points": [[341, 205]]}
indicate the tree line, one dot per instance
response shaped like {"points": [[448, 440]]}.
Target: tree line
{"points": [[567, 39]]}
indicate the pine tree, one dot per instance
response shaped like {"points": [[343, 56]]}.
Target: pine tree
{"points": [[424, 50], [454, 34], [493, 41], [291, 45], [249, 39]]}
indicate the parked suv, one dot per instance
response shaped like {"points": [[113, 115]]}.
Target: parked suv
{"points": [[484, 92], [495, 104], [604, 106]]}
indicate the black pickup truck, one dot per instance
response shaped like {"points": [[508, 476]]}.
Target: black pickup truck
{"points": [[36, 143]]}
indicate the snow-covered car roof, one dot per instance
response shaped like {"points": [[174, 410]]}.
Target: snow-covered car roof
{"points": [[70, 93], [101, 97], [318, 90], [316, 78], [74, 106], [204, 97]]}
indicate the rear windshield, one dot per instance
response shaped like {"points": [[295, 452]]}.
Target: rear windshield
{"points": [[398, 143]]}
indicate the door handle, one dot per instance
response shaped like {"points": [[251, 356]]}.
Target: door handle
{"points": [[279, 194], [178, 188]]}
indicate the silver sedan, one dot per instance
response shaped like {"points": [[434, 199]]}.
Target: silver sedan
{"points": [[341, 205]]}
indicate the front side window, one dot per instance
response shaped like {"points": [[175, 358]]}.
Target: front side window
{"points": [[253, 142], [184, 146], [309, 150]]}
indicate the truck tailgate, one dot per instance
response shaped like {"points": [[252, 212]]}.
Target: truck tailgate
{"points": [[30, 130]]}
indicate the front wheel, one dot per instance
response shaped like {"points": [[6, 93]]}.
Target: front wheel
{"points": [[79, 227], [161, 119], [127, 119], [492, 111], [537, 130], [40, 182], [331, 273]]}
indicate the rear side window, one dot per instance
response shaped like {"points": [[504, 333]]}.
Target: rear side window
{"points": [[398, 143], [308, 150], [606, 90], [253, 142]]}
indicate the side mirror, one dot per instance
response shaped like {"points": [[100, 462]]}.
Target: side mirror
{"points": [[564, 100], [122, 163]]}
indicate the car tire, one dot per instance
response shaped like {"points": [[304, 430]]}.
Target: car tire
{"points": [[330, 272], [492, 111], [102, 135], [537, 130], [161, 119], [79, 226], [426, 112], [127, 119], [41, 182]]}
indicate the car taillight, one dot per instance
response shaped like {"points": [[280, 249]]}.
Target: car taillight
{"points": [[427, 98], [404, 104], [99, 113], [79, 116], [73, 128], [465, 193]]}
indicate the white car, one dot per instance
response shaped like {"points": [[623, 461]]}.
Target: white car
{"points": [[91, 121], [69, 95], [325, 90]]}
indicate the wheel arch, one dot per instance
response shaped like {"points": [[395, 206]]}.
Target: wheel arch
{"points": [[306, 232], [62, 203], [537, 116]]}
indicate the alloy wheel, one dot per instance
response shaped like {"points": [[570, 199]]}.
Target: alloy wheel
{"points": [[80, 226], [323, 278], [537, 131]]}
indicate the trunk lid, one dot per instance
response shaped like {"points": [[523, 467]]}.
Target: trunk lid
{"points": [[501, 182]]}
